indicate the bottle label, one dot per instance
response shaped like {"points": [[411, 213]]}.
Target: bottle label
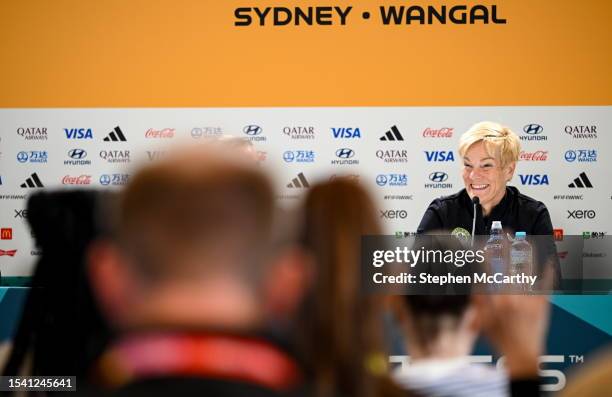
{"points": [[518, 258]]}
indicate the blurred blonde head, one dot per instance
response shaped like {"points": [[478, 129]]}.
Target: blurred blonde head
{"points": [[241, 146], [236, 142]]}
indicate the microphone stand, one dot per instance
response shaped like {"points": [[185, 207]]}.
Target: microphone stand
{"points": [[475, 201]]}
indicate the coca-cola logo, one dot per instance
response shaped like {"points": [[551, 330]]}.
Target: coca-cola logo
{"points": [[444, 132], [540, 155], [76, 180], [165, 133]]}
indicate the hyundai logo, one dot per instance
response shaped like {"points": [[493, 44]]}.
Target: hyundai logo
{"points": [[570, 155], [381, 180], [345, 153], [438, 176], [252, 130], [288, 156], [77, 154], [105, 179], [22, 157], [533, 129], [196, 133]]}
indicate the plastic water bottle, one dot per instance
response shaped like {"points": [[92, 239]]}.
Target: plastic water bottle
{"points": [[494, 249], [521, 257]]}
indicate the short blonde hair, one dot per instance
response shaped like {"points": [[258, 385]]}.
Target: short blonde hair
{"points": [[499, 141]]}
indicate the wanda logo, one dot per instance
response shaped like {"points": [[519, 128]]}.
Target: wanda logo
{"points": [[540, 155]]}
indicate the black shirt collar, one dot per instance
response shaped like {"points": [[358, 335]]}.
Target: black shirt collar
{"points": [[498, 213], [501, 209]]}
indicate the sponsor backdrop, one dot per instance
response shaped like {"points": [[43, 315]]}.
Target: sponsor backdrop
{"points": [[406, 157], [375, 91]]}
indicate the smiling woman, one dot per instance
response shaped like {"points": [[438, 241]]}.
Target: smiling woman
{"points": [[489, 152]]}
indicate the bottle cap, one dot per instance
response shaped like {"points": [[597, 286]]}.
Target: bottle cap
{"points": [[520, 234], [496, 225]]}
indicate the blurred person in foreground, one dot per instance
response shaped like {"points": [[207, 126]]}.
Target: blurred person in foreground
{"points": [[441, 331], [342, 332], [594, 379], [192, 282], [61, 331]]}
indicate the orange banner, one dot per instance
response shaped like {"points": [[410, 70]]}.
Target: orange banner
{"points": [[194, 53]]}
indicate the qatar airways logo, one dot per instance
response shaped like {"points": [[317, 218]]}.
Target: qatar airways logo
{"points": [[76, 180], [299, 132], [581, 131], [33, 133], [444, 132], [115, 156], [163, 133], [540, 155], [393, 155]]}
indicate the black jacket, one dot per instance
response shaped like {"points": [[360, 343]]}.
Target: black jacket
{"points": [[516, 212]]}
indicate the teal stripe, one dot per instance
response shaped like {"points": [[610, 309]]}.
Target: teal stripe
{"points": [[16, 281], [593, 309]]}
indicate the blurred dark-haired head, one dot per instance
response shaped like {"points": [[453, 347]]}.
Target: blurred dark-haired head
{"points": [[441, 310], [61, 326], [342, 325]]}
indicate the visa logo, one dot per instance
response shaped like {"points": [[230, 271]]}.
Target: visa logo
{"points": [[534, 179], [346, 132], [78, 133], [439, 156]]}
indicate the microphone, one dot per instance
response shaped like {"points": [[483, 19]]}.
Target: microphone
{"points": [[475, 201]]}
